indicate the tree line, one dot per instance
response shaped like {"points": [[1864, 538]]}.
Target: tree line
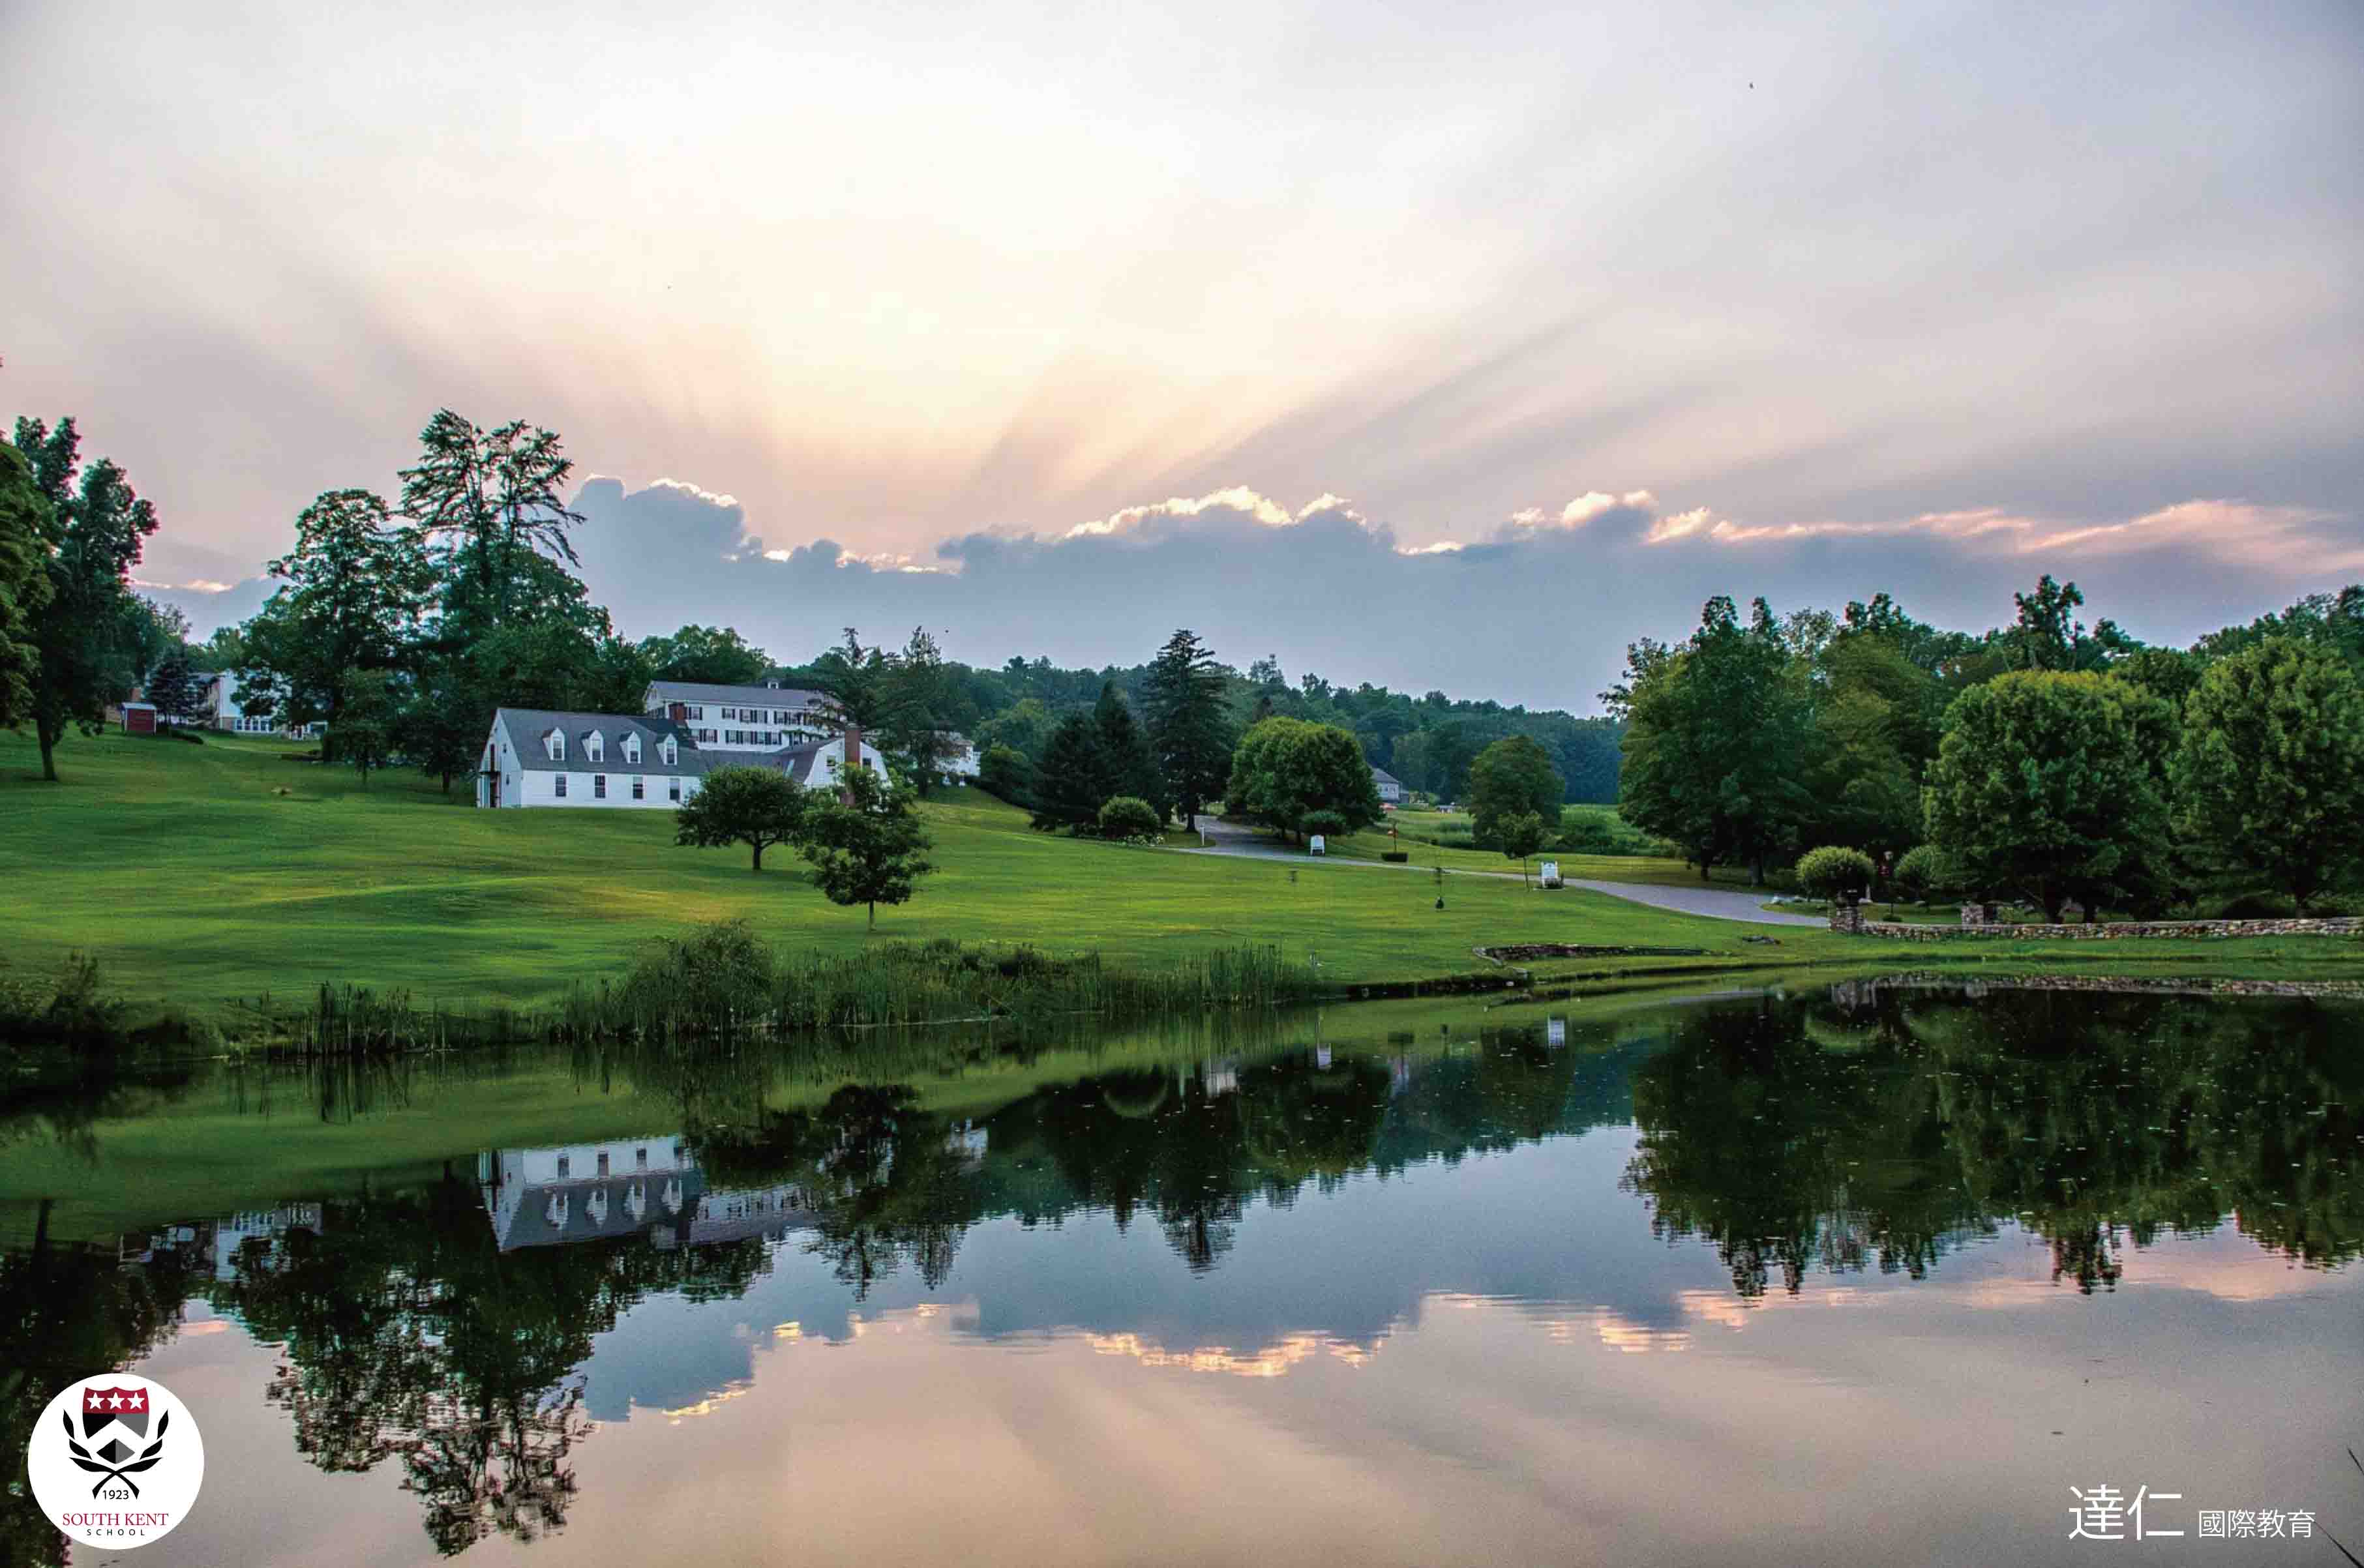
{"points": [[2039, 761]]}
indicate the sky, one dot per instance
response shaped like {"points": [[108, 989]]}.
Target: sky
{"points": [[1439, 346]]}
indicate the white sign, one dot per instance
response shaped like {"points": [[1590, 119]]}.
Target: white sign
{"points": [[1551, 873], [1314, 846]]}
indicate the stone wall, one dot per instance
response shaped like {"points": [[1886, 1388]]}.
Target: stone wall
{"points": [[1850, 919]]}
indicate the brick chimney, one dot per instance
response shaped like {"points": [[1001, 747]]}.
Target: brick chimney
{"points": [[852, 758]]}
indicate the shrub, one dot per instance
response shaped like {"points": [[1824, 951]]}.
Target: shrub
{"points": [[1925, 872], [1329, 824], [1005, 771], [1395, 856], [1129, 816], [1835, 872]]}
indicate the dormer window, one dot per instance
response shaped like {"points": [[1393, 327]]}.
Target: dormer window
{"points": [[669, 751], [555, 743], [595, 746], [632, 748]]}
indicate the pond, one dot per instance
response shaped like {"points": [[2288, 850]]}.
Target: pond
{"points": [[1871, 1274]]}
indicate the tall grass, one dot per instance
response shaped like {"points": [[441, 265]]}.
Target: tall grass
{"points": [[721, 981]]}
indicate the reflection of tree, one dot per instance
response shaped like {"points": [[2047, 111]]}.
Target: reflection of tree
{"points": [[1796, 1136], [66, 1312], [409, 1335]]}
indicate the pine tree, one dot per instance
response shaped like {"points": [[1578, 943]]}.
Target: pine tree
{"points": [[1188, 731]]}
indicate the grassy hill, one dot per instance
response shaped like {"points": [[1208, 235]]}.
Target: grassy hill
{"points": [[202, 875]]}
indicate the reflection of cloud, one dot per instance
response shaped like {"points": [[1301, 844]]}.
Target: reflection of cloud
{"points": [[1274, 1361]]}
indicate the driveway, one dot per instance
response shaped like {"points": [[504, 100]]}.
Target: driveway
{"points": [[1240, 842]]}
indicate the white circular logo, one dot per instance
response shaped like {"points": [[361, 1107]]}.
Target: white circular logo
{"points": [[116, 1460]]}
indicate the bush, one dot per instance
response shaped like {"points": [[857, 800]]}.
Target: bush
{"points": [[1329, 824], [1129, 816], [1926, 871], [1835, 872], [1395, 856]]}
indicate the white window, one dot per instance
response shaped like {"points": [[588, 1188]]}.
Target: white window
{"points": [[560, 790], [698, 711], [555, 744], [595, 746], [669, 751], [598, 787], [638, 789], [673, 789], [632, 748]]}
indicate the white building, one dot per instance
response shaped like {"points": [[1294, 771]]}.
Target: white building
{"points": [[539, 757], [1390, 788], [741, 719], [225, 709]]}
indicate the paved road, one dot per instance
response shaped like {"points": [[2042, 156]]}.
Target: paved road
{"points": [[1717, 903]]}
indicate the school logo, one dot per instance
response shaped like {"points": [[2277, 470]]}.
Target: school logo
{"points": [[116, 1460]]}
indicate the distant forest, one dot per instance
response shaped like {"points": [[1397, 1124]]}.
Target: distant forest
{"points": [[1427, 743]]}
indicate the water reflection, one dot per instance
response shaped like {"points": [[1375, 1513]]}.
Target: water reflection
{"points": [[469, 1332]]}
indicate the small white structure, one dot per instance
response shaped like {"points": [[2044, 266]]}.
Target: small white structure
{"points": [[1550, 874], [960, 760], [1317, 845], [1390, 788]]}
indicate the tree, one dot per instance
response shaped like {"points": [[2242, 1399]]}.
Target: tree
{"points": [[489, 501], [1125, 750], [717, 655], [362, 731], [1717, 737], [1838, 873], [93, 533], [1189, 732], [357, 584], [2050, 785], [1513, 777], [1005, 772], [25, 524], [1074, 778], [172, 688], [2270, 777], [739, 805], [917, 725], [1519, 835], [859, 685], [1286, 769], [866, 846]]}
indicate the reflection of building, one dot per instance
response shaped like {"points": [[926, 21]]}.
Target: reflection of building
{"points": [[647, 1188], [263, 1234]]}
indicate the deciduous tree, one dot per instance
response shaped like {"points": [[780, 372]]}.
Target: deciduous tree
{"points": [[1513, 777], [869, 847], [2051, 785], [2270, 777], [755, 807], [95, 529], [1285, 770], [25, 544]]}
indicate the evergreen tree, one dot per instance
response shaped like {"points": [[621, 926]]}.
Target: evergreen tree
{"points": [[1190, 731], [1074, 779], [1124, 752], [172, 688]]}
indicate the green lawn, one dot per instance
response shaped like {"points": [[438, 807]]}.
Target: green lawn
{"points": [[196, 882]]}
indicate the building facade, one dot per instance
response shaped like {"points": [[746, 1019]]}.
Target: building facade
{"points": [[741, 719], [596, 761]]}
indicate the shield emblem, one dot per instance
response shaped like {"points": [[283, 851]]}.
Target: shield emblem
{"points": [[128, 1406]]}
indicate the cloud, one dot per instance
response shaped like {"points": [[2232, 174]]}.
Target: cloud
{"points": [[1534, 609]]}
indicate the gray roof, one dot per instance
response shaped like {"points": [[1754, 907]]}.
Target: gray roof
{"points": [[526, 725], [1380, 775], [750, 696]]}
